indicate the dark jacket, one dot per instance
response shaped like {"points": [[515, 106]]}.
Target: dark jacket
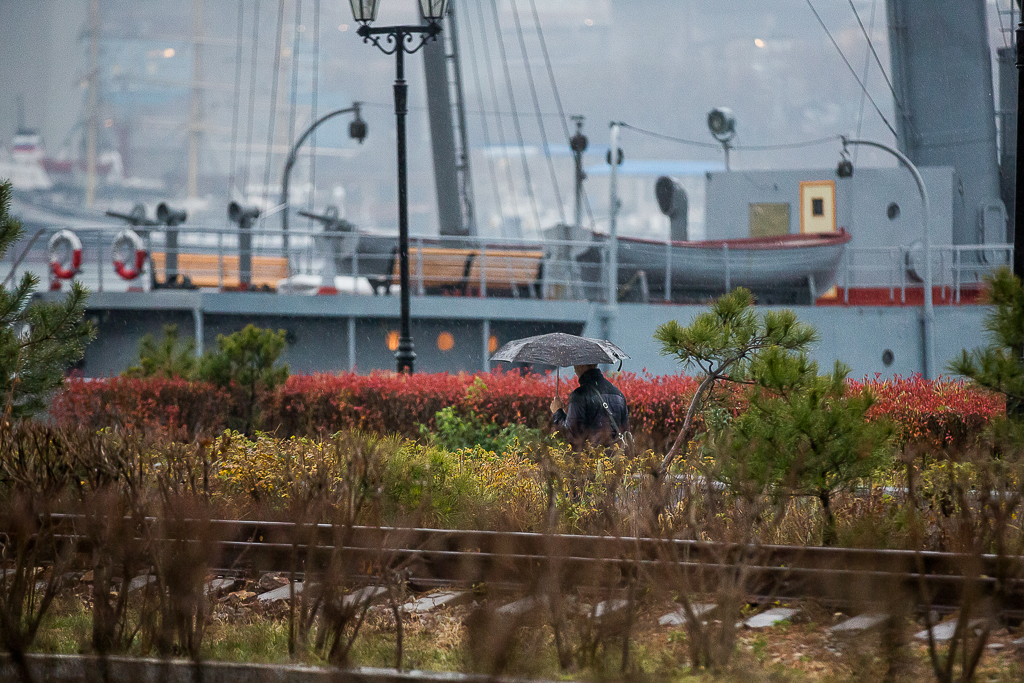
{"points": [[585, 420]]}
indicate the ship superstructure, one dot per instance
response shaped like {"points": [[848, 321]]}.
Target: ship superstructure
{"points": [[845, 248]]}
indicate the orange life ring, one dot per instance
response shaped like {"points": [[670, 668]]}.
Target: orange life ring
{"points": [[129, 254], [65, 252]]}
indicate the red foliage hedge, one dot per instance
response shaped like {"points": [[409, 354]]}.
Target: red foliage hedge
{"points": [[166, 404], [936, 412]]}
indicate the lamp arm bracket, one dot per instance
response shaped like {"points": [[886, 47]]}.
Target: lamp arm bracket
{"points": [[399, 37]]}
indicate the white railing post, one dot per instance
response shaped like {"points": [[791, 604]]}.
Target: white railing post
{"points": [[668, 269], [419, 266], [220, 260], [99, 262], [728, 275]]}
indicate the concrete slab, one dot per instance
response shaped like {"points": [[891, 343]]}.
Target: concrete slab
{"points": [[278, 594], [607, 608], [678, 618], [770, 618], [433, 601], [519, 607], [140, 582], [945, 630], [859, 623], [367, 594], [218, 585]]}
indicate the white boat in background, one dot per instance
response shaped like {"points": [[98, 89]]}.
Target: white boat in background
{"points": [[801, 260]]}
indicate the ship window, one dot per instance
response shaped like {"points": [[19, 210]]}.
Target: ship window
{"points": [[818, 206], [892, 211], [492, 344], [887, 357], [445, 341]]}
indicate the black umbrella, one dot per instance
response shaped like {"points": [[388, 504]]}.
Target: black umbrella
{"points": [[561, 350]]}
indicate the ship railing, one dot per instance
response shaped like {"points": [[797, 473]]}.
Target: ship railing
{"points": [[358, 263], [956, 268]]}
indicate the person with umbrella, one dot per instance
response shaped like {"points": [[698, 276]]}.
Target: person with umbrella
{"points": [[597, 413]]}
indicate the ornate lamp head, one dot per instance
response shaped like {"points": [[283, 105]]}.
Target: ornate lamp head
{"points": [[364, 11], [433, 10]]}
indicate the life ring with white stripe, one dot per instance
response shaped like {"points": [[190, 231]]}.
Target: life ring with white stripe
{"points": [[129, 254], [65, 253]]}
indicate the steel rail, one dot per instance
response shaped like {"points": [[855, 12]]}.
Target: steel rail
{"points": [[437, 557]]}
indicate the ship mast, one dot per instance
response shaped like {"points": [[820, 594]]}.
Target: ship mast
{"points": [[92, 129], [195, 106], [452, 180]]}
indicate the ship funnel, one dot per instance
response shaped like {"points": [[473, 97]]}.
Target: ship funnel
{"points": [[673, 203], [169, 216]]}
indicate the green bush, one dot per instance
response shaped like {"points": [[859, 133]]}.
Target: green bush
{"points": [[454, 431]]}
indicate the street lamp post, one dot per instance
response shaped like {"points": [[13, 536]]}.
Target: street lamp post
{"points": [[928, 324], [356, 131], [399, 41]]}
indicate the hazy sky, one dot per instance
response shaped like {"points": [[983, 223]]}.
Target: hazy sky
{"points": [[656, 64]]}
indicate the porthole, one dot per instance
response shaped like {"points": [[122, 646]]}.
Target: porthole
{"points": [[887, 357], [492, 344], [892, 211], [445, 341]]}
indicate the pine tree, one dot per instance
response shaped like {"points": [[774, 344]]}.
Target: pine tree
{"points": [[247, 359], [803, 433], [167, 358], [1000, 365], [721, 343], [38, 340]]}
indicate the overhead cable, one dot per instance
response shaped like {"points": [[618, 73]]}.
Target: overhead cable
{"points": [[867, 65], [558, 97], [871, 46], [235, 107], [515, 118], [296, 46], [536, 107], [252, 93], [712, 145], [314, 114], [273, 102], [494, 99], [852, 71], [483, 114]]}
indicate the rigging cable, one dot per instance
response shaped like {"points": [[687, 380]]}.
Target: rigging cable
{"points": [[1002, 29], [494, 98], [235, 107], [273, 104], [749, 148], [252, 94], [871, 46], [867, 64], [515, 111], [852, 71], [558, 98], [310, 204], [296, 45], [536, 107], [483, 114]]}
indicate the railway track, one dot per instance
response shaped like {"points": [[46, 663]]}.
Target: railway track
{"points": [[428, 558]]}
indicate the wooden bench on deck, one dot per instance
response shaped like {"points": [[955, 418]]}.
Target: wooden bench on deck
{"points": [[434, 268], [458, 271], [204, 270], [507, 271]]}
